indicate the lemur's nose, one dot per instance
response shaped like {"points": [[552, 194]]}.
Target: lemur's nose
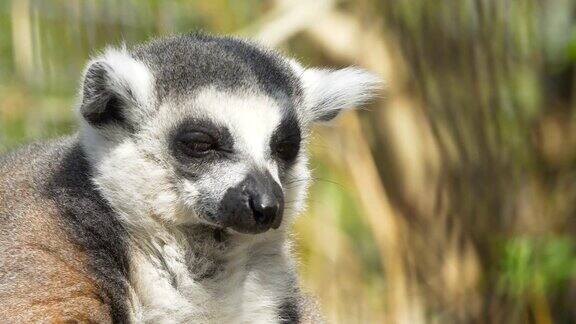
{"points": [[264, 207], [255, 205]]}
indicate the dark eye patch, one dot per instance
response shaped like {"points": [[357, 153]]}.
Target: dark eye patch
{"points": [[196, 143], [197, 139], [286, 139]]}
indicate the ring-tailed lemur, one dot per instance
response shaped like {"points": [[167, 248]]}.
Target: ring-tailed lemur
{"points": [[171, 204]]}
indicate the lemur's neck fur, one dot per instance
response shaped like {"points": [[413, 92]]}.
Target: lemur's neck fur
{"points": [[186, 273], [208, 253]]}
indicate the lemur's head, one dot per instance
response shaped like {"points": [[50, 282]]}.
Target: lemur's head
{"points": [[205, 129]]}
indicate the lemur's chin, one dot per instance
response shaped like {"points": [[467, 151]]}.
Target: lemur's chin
{"points": [[250, 227], [247, 225], [252, 230]]}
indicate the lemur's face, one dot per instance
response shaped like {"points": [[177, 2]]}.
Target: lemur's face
{"points": [[235, 157], [201, 129]]}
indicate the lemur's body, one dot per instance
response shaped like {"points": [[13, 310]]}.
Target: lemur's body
{"points": [[168, 204]]}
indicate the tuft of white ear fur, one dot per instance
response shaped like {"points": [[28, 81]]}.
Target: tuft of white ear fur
{"points": [[127, 71], [327, 92], [125, 76]]}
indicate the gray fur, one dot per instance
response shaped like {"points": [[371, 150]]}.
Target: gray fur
{"points": [[92, 224], [184, 63]]}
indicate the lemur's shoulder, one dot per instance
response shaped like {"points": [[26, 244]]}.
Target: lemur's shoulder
{"points": [[50, 256], [23, 174], [26, 174]]}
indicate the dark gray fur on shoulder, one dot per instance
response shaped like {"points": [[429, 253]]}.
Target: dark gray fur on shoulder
{"points": [[93, 225]]}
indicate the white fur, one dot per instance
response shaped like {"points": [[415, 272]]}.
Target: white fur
{"points": [[326, 91], [132, 72], [237, 296]]}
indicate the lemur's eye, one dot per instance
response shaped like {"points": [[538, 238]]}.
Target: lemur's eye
{"points": [[287, 150], [196, 144]]}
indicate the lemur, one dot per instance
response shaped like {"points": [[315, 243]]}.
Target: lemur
{"points": [[173, 202]]}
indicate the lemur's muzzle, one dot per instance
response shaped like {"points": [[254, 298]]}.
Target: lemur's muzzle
{"points": [[254, 206]]}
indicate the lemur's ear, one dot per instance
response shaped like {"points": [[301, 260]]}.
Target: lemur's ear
{"points": [[116, 90], [327, 92]]}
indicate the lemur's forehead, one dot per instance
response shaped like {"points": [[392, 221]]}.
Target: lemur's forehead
{"points": [[236, 107], [182, 65]]}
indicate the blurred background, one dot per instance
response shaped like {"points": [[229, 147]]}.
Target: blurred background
{"points": [[452, 199]]}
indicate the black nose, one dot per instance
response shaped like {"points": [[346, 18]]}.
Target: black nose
{"points": [[264, 209], [253, 206]]}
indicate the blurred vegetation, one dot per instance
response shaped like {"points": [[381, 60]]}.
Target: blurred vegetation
{"points": [[451, 200]]}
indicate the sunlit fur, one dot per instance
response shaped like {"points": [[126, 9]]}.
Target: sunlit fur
{"points": [[178, 272]]}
